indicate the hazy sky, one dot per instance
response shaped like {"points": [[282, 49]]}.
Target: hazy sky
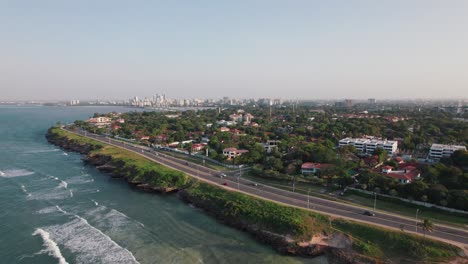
{"points": [[307, 49]]}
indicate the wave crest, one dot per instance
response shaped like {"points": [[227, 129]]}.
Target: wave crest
{"points": [[15, 173], [51, 247]]}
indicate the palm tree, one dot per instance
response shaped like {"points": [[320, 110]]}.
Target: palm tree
{"points": [[427, 226]]}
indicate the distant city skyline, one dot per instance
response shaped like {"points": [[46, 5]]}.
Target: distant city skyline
{"points": [[115, 50]]}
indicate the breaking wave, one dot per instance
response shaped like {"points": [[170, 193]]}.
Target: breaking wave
{"points": [[23, 188], [51, 246], [63, 184], [41, 151], [15, 173], [89, 243], [47, 210], [61, 210]]}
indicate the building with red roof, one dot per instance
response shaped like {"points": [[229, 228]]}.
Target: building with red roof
{"points": [[309, 168], [406, 175]]}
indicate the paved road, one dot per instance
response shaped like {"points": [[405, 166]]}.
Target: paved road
{"points": [[446, 233]]}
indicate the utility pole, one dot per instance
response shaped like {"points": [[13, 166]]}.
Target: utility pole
{"points": [[308, 198]]}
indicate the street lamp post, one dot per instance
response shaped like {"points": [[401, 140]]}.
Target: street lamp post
{"points": [[417, 211], [375, 200], [238, 178], [294, 183]]}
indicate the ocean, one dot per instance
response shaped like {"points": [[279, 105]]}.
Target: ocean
{"points": [[56, 209]]}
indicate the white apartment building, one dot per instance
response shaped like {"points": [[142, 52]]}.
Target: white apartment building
{"points": [[368, 145], [438, 151]]}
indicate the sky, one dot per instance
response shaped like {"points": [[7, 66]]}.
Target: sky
{"points": [[292, 49]]}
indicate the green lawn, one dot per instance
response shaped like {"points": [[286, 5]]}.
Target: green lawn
{"points": [[410, 211], [208, 163], [387, 206]]}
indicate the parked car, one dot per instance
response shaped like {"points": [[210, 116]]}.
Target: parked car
{"points": [[368, 213]]}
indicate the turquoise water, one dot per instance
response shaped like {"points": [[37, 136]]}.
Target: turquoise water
{"points": [[54, 209]]}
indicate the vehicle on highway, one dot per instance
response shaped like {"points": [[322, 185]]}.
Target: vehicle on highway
{"points": [[225, 184], [255, 184], [368, 213], [222, 175]]}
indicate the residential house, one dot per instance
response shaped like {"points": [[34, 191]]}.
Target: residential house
{"points": [[270, 145], [232, 153], [197, 147], [236, 117], [100, 121], [311, 168], [406, 175], [248, 118]]}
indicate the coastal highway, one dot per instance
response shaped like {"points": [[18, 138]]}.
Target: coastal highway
{"points": [[441, 232]]}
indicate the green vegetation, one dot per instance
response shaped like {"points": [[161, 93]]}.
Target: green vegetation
{"points": [[380, 242], [136, 168], [406, 209], [368, 240], [266, 215], [310, 133], [130, 165], [58, 133]]}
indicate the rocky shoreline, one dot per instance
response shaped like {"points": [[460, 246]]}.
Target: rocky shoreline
{"points": [[337, 246]]}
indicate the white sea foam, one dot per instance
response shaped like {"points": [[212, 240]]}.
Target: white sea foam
{"points": [[95, 203], [118, 219], [47, 210], [71, 193], [52, 177], [16, 173], [51, 246], [23, 188], [63, 184], [61, 210], [48, 194], [65, 154], [89, 244], [80, 179], [2, 173], [34, 151]]}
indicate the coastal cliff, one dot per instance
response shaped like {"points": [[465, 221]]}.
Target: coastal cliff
{"points": [[136, 170], [287, 229]]}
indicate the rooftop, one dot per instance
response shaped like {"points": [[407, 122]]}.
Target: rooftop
{"points": [[449, 147]]}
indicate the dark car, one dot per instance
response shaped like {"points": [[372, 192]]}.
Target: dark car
{"points": [[368, 213], [225, 183]]}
